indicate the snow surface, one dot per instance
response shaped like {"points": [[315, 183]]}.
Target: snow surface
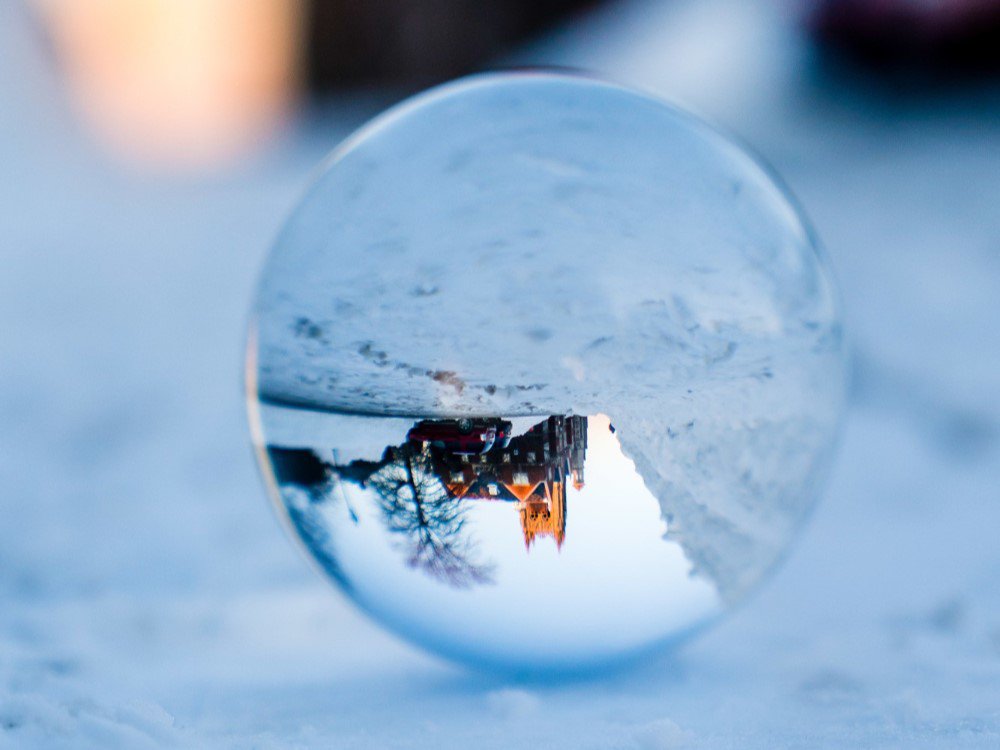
{"points": [[147, 599]]}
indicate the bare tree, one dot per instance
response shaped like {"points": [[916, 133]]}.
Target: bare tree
{"points": [[418, 507]]}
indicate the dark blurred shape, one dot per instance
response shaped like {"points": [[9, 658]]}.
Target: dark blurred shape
{"points": [[937, 37], [413, 42], [300, 467]]}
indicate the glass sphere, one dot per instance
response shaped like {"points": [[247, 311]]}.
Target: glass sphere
{"points": [[544, 372]]}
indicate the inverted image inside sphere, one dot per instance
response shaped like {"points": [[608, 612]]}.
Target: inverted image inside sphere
{"points": [[481, 268]]}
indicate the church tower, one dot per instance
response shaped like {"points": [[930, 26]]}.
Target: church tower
{"points": [[542, 516]]}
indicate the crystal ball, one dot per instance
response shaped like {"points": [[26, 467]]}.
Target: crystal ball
{"points": [[544, 373]]}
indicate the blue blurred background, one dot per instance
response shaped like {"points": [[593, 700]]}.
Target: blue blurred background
{"points": [[149, 151]]}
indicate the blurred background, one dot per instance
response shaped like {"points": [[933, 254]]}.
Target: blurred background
{"points": [[149, 152]]}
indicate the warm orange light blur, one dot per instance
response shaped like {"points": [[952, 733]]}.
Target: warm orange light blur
{"points": [[186, 82]]}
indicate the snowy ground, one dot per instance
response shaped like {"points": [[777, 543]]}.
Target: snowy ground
{"points": [[148, 599]]}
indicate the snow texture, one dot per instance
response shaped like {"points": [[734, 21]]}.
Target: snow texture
{"points": [[147, 599]]}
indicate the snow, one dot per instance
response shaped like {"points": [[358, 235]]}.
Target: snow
{"points": [[535, 206], [147, 599], [661, 734], [514, 703]]}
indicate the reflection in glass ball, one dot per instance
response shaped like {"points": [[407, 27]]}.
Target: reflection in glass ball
{"points": [[543, 372]]}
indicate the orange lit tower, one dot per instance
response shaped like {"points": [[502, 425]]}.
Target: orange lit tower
{"points": [[542, 516], [531, 471]]}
